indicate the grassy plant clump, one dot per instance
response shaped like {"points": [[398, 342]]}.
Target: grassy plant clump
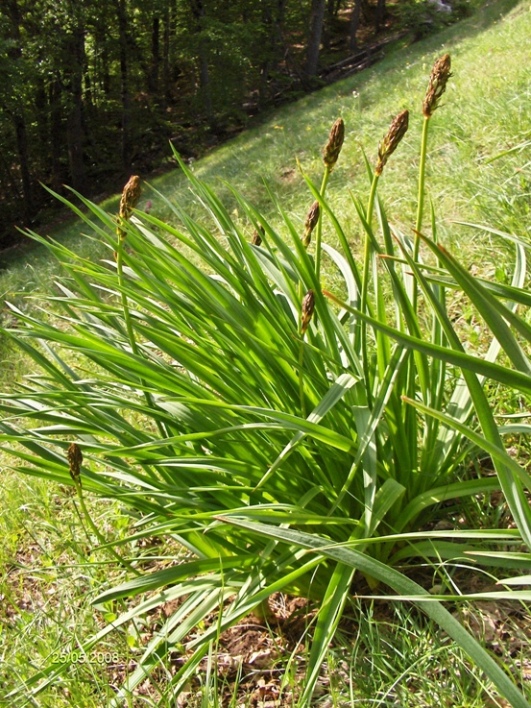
{"points": [[292, 435]]}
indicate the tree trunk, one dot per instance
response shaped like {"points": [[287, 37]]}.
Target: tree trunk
{"points": [[198, 12], [332, 9], [165, 93], [75, 137], [41, 104], [354, 24], [380, 15], [9, 178], [124, 82], [23, 156], [56, 132], [154, 72], [314, 40], [273, 22], [16, 113]]}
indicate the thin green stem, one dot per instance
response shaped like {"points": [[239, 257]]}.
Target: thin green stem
{"points": [[125, 304], [411, 422], [301, 379], [368, 249], [319, 235], [416, 246], [367, 258], [97, 533], [130, 330], [421, 186]]}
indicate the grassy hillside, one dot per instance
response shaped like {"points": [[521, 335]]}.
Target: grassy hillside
{"points": [[477, 171]]}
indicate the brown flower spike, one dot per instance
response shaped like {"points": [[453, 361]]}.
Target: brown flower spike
{"points": [[308, 305], [396, 132], [130, 196], [75, 460], [437, 84], [312, 218], [256, 239], [335, 143]]}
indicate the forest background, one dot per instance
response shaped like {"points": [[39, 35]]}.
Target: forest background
{"points": [[93, 90]]}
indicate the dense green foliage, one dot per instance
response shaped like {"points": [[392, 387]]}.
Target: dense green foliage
{"points": [[91, 90], [287, 435]]}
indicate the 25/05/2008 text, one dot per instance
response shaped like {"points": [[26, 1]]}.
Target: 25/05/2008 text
{"points": [[79, 657]]}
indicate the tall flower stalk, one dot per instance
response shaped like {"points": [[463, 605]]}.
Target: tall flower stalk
{"points": [[436, 87], [331, 153], [307, 308], [130, 196], [386, 148], [75, 461]]}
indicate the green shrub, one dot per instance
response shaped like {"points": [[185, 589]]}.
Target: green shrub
{"points": [[287, 436]]}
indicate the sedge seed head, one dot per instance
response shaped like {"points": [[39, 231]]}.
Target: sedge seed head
{"points": [[256, 238], [335, 143], [75, 460], [312, 219], [308, 306], [129, 200], [396, 132], [437, 84], [130, 196]]}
